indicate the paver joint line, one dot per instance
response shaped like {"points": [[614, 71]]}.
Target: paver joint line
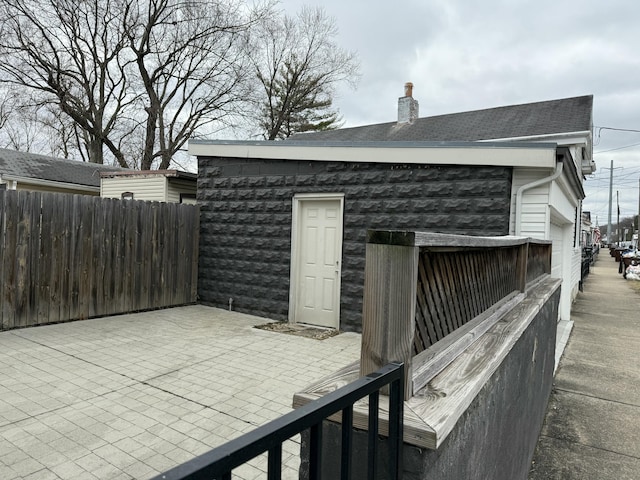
{"points": [[221, 378]]}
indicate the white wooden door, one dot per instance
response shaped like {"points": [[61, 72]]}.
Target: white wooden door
{"points": [[319, 247]]}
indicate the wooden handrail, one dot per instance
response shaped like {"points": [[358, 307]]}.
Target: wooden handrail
{"points": [[446, 240]]}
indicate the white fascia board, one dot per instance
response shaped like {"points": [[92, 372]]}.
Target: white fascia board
{"points": [[467, 153], [50, 183]]}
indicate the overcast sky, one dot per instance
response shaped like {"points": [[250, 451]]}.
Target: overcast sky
{"points": [[467, 54]]}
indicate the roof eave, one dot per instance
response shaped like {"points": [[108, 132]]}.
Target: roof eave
{"points": [[581, 137], [571, 172], [51, 183], [150, 173]]}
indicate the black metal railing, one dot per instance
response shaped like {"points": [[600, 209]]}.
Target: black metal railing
{"points": [[219, 462], [587, 261]]}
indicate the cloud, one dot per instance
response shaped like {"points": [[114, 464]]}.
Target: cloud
{"points": [[465, 55]]}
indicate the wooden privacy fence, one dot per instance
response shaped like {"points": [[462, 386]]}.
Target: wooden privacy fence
{"points": [[429, 296], [70, 257]]}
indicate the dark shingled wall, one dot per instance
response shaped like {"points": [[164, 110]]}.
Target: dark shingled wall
{"points": [[245, 228]]}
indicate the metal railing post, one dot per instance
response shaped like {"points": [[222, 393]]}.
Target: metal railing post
{"points": [[219, 462], [396, 427]]}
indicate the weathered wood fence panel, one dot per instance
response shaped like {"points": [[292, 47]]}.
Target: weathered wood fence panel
{"points": [[71, 257], [455, 287], [538, 261]]}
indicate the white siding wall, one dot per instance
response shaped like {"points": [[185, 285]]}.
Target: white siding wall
{"points": [[535, 204], [177, 187], [542, 206], [564, 207], [143, 188]]}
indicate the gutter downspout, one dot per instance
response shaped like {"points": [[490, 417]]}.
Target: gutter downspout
{"points": [[528, 186]]}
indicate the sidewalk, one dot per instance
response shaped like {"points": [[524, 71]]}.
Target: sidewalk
{"points": [[592, 426]]}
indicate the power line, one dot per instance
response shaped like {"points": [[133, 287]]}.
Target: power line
{"points": [[617, 129], [626, 180], [597, 131], [625, 174], [618, 148]]}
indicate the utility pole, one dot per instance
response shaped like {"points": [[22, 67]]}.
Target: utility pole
{"points": [[618, 225], [610, 202], [609, 236]]}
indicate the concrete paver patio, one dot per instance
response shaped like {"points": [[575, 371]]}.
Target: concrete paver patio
{"points": [[130, 396]]}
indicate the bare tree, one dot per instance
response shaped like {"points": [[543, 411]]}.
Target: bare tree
{"points": [[19, 129], [191, 65], [133, 75], [71, 53], [63, 137], [6, 106], [298, 65], [21, 135]]}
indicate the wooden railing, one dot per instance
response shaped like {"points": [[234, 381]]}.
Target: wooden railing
{"points": [[429, 296]]}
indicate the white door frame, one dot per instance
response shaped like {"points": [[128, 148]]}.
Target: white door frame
{"points": [[296, 211]]}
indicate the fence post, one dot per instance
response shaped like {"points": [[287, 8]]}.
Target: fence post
{"points": [[521, 266], [548, 258], [389, 308]]}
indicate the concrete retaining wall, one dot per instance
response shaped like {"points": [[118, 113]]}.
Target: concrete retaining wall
{"points": [[494, 439]]}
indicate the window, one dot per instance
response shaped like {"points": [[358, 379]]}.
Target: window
{"points": [[188, 198], [127, 196]]}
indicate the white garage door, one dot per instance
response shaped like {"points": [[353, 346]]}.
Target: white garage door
{"points": [[556, 252]]}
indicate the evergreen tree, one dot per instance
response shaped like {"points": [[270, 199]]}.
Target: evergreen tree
{"points": [[298, 65]]}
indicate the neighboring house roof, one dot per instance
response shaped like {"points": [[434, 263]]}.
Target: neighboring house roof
{"points": [[528, 120], [24, 166]]}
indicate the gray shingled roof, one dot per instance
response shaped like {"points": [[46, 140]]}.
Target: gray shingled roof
{"points": [[30, 165], [514, 121]]}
